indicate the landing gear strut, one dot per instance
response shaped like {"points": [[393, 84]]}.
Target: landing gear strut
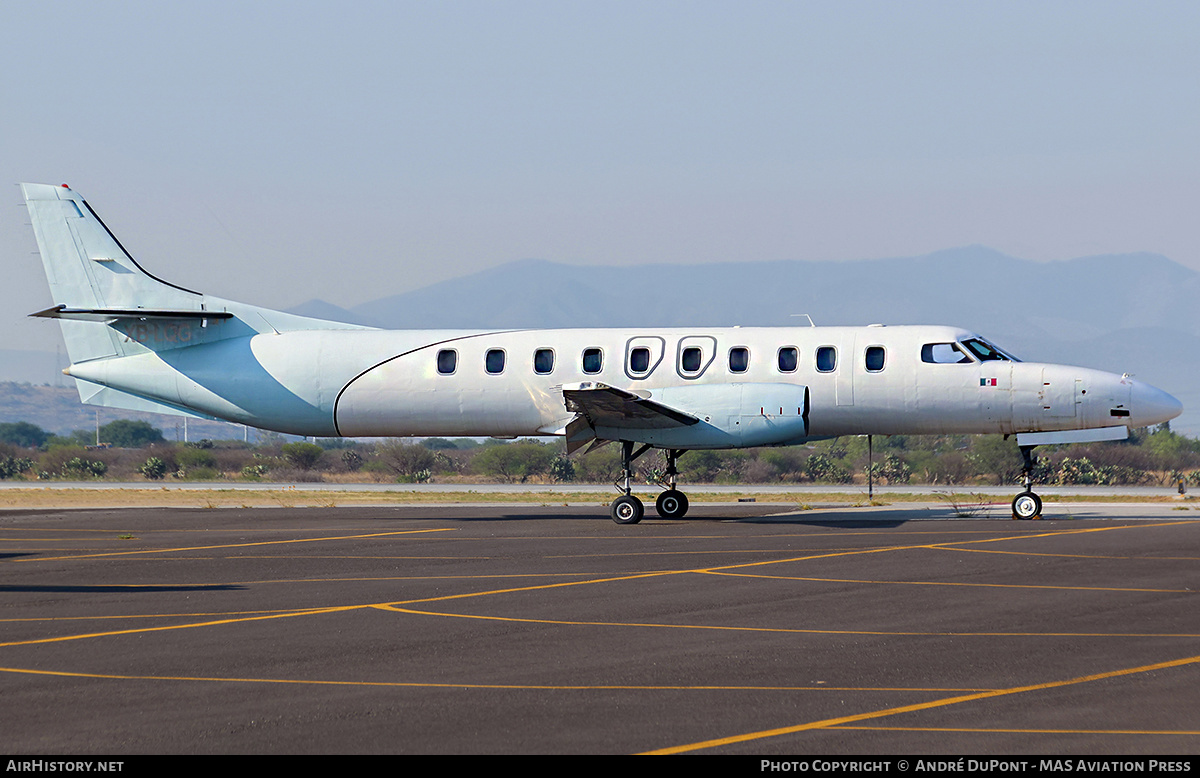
{"points": [[672, 504], [628, 509], [1027, 505]]}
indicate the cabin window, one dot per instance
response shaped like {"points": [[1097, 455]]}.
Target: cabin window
{"points": [[593, 360], [447, 361], [639, 360], [493, 361], [690, 359], [826, 359], [543, 361], [789, 358], [943, 354], [875, 358], [739, 359]]}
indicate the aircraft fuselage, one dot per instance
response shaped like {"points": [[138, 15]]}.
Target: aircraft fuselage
{"points": [[387, 383]]}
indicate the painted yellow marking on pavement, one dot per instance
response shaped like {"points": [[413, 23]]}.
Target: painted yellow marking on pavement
{"points": [[948, 583], [430, 685], [610, 579], [143, 630], [950, 544], [134, 616], [912, 547], [841, 720], [785, 630], [999, 730], [1076, 556], [310, 612], [234, 545], [560, 585]]}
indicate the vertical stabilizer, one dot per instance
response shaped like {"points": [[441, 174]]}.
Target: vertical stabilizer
{"points": [[88, 268]]}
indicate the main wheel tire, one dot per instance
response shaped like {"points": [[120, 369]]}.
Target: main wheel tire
{"points": [[671, 504], [627, 509], [1026, 506]]}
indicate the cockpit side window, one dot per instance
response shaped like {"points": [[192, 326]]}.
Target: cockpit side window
{"points": [[944, 354], [986, 351]]}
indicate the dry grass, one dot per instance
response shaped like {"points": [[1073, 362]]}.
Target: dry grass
{"points": [[55, 497]]}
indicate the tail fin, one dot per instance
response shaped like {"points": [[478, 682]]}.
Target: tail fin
{"points": [[92, 277]]}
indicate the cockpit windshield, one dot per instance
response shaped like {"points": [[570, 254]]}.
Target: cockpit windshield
{"points": [[986, 351]]}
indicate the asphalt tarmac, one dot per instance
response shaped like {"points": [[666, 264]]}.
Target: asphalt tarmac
{"points": [[743, 629]]}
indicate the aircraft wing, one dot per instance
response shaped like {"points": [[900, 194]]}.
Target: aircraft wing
{"points": [[606, 406], [601, 405]]}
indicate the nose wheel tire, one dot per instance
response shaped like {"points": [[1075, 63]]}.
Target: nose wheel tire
{"points": [[671, 504], [627, 509], [1026, 506]]}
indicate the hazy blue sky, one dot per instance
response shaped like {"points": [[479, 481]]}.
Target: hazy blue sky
{"points": [[275, 152]]}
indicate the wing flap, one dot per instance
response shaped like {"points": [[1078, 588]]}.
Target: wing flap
{"points": [[606, 406]]}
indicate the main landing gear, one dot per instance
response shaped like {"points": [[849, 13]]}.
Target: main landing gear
{"points": [[1027, 505], [672, 503], [627, 509]]}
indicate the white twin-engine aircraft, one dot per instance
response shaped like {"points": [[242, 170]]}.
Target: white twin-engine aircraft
{"points": [[144, 344]]}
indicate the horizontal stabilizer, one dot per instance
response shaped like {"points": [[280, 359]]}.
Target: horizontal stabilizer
{"points": [[109, 314]]}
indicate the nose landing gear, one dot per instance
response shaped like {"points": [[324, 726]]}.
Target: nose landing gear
{"points": [[1027, 506]]}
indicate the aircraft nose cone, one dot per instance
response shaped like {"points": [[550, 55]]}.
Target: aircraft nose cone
{"points": [[1152, 405]]}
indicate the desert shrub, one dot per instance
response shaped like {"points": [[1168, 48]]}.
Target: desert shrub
{"points": [[23, 434], [826, 468], [15, 467], [302, 455], [124, 433], [514, 461], [83, 467], [404, 459], [190, 459], [153, 468], [562, 469]]}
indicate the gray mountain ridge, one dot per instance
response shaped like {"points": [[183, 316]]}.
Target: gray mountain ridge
{"points": [[973, 287]]}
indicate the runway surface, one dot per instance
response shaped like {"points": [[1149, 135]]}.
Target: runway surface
{"points": [[744, 629]]}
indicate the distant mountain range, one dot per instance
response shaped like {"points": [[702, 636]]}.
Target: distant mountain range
{"points": [[975, 287], [1133, 313]]}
